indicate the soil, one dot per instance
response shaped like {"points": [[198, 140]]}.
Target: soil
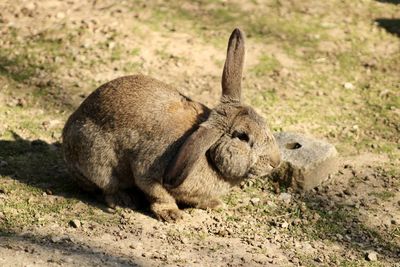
{"points": [[56, 52]]}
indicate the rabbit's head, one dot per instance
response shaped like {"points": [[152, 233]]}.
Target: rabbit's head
{"points": [[236, 140]]}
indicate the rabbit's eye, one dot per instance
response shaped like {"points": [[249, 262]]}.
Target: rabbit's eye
{"points": [[241, 136]]}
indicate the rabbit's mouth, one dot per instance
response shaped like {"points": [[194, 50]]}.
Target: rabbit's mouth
{"points": [[264, 165], [260, 172]]}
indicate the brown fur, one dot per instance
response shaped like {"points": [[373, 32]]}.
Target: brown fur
{"points": [[136, 131]]}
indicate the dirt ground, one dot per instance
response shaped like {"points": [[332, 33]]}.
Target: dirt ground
{"points": [[324, 68]]}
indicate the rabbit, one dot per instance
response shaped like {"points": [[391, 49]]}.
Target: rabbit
{"points": [[138, 132]]}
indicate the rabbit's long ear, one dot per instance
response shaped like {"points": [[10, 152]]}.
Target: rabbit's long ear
{"points": [[232, 74], [194, 147]]}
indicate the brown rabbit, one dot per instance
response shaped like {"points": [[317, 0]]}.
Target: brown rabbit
{"points": [[137, 132]]}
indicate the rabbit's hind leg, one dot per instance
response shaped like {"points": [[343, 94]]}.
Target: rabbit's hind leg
{"points": [[120, 199]]}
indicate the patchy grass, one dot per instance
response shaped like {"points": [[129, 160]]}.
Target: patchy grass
{"points": [[19, 74], [384, 195], [266, 65], [331, 74]]}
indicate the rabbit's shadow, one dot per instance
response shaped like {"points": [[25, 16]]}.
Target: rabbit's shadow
{"points": [[390, 25], [40, 164]]}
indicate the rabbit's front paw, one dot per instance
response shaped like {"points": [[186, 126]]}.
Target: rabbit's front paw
{"points": [[168, 214], [171, 215]]}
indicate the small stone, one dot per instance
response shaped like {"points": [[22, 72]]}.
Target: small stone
{"points": [[60, 15], [384, 93], [316, 217], [56, 239], [111, 45], [348, 86], [110, 210], [303, 207], [319, 259], [75, 223], [354, 128], [245, 201], [255, 200], [284, 225], [297, 221], [285, 197], [70, 239], [371, 256], [30, 6]]}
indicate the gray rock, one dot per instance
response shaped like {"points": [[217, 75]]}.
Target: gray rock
{"points": [[306, 162]]}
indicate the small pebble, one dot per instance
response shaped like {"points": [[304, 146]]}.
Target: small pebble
{"points": [[371, 256], [75, 223], [30, 6], [319, 259], [284, 225], [254, 200], [348, 86], [285, 197], [56, 239], [60, 15]]}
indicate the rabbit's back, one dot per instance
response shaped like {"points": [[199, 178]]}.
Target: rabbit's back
{"points": [[141, 101], [129, 127]]}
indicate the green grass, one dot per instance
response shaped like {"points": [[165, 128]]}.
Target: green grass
{"points": [[266, 65], [16, 68]]}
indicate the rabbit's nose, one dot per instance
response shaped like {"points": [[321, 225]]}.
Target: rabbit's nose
{"points": [[275, 160]]}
